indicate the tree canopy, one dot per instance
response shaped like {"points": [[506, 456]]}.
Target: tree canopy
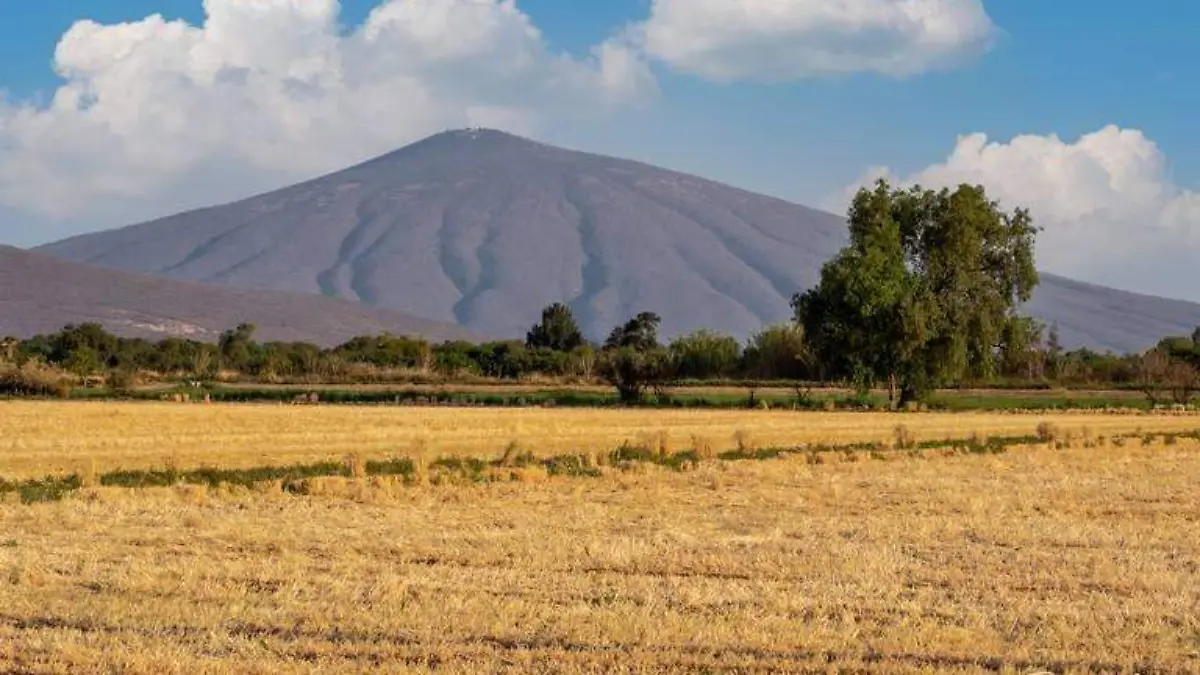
{"points": [[557, 330], [705, 354], [639, 333], [778, 352], [924, 291]]}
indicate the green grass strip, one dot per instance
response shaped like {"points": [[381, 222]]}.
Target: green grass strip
{"points": [[476, 470]]}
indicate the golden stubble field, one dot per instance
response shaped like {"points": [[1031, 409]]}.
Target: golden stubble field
{"points": [[1068, 560], [1077, 560], [39, 438]]}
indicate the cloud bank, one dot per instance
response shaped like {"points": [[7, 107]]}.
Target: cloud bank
{"points": [[773, 40], [1109, 210], [156, 113]]}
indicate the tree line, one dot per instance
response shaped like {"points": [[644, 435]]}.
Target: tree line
{"points": [[925, 295]]}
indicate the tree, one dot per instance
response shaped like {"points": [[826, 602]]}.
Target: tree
{"points": [[583, 361], [632, 360], [634, 372], [705, 354], [83, 361], [1178, 368], [454, 358], [235, 345], [922, 293], [8, 349], [639, 333], [778, 353], [1183, 381], [1182, 349], [1054, 355], [506, 359], [203, 364], [557, 330], [1151, 374], [1019, 351], [388, 351]]}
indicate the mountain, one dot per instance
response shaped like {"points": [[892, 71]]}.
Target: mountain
{"points": [[483, 229], [40, 294], [1108, 319]]}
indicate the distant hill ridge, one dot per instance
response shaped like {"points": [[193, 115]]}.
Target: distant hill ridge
{"points": [[483, 229], [40, 294]]}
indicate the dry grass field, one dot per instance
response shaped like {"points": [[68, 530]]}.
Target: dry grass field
{"points": [[1068, 560], [1077, 560], [40, 438]]}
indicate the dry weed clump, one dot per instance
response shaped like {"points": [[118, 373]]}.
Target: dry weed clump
{"points": [[192, 494], [512, 454], [745, 442], [356, 466], [1052, 435], [704, 448], [89, 476], [663, 445], [34, 379]]}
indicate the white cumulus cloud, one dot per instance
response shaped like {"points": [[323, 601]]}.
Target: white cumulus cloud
{"points": [[783, 40], [1109, 210], [156, 114]]}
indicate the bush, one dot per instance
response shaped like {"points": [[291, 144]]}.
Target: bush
{"points": [[122, 381], [33, 379], [633, 372], [1048, 431], [704, 354]]}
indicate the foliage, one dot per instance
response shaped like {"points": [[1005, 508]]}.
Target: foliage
{"points": [[705, 355], [778, 352], [557, 331], [635, 372], [33, 379], [639, 333], [1055, 361], [1020, 348], [388, 351], [923, 292], [83, 361], [235, 346], [633, 361], [1170, 370]]}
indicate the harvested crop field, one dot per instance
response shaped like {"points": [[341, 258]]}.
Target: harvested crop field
{"points": [[1070, 560], [52, 438]]}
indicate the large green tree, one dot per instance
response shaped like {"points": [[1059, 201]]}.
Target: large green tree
{"points": [[922, 294], [557, 330]]}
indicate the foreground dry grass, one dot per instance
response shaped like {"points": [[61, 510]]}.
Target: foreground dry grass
{"points": [[45, 438], [1074, 560]]}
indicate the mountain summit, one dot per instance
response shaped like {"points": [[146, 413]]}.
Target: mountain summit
{"points": [[483, 228]]}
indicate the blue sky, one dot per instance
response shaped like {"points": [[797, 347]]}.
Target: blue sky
{"points": [[1068, 68]]}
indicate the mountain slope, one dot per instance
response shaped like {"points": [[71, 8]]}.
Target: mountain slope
{"points": [[484, 229], [1108, 319], [40, 294]]}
